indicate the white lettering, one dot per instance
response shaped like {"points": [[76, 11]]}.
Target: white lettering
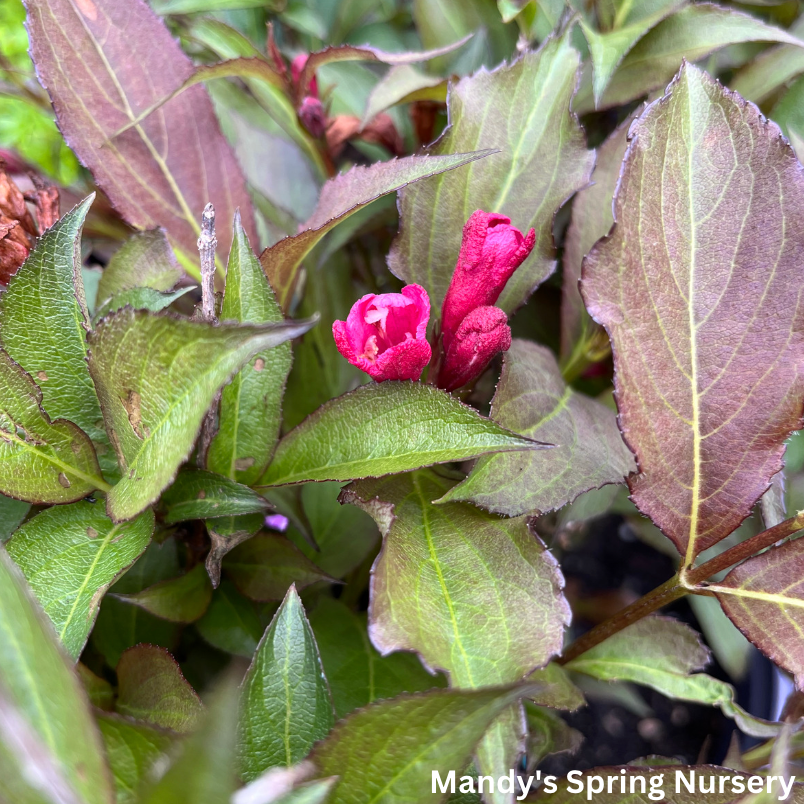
{"points": [[656, 787], [787, 786], [508, 781], [592, 788], [756, 784], [574, 778], [468, 786], [526, 782], [448, 785], [550, 785], [681, 780], [737, 784]]}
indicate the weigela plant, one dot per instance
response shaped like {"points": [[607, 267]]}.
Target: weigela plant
{"points": [[334, 359]]}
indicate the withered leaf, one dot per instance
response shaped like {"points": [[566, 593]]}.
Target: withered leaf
{"points": [[706, 251]]}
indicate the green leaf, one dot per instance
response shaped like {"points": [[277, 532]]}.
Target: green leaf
{"points": [[180, 600], [141, 299], [384, 428], [556, 689], [764, 598], [231, 624], [145, 260], [265, 566], [196, 494], [156, 377], [44, 321], [515, 182], [533, 399], [132, 750], [691, 33], [343, 196], [163, 171], [70, 555], [151, 688], [404, 84], [592, 218], [344, 534], [204, 772], [251, 405], [389, 750], [165, 7], [41, 460], [285, 703], [122, 625], [548, 734], [770, 70], [356, 672], [438, 566], [609, 48], [706, 402], [662, 653], [40, 684], [12, 512], [98, 690]]}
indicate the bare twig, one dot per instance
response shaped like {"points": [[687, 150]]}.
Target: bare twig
{"points": [[207, 243]]}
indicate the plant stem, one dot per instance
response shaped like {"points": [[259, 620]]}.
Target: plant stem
{"points": [[662, 595], [207, 243], [740, 552], [680, 585]]}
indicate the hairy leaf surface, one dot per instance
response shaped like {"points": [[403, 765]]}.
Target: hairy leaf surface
{"points": [[104, 63], [343, 196], [285, 702], [542, 161], [156, 377], [41, 461], [41, 685], [151, 688], [533, 399], [70, 555], [251, 404], [707, 391], [383, 428], [390, 749]]}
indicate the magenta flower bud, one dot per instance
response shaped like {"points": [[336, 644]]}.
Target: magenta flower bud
{"points": [[296, 68], [386, 335], [491, 251], [481, 335], [312, 116]]}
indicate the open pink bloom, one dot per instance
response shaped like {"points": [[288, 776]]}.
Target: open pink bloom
{"points": [[491, 251], [481, 335], [386, 335]]}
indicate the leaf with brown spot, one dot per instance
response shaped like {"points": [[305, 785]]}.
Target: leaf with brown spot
{"points": [[103, 64], [706, 251], [764, 598]]}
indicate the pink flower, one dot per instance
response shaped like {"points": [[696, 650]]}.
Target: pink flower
{"points": [[481, 335], [386, 335], [296, 68], [491, 251]]}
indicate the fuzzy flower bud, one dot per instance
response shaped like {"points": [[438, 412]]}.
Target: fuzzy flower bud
{"points": [[491, 251], [481, 335], [386, 335], [313, 117]]}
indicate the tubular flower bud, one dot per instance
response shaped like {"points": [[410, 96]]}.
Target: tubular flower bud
{"points": [[386, 335], [491, 251], [481, 335]]}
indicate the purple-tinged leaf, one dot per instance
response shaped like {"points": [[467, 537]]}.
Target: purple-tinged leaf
{"points": [[105, 62], [524, 111], [764, 598], [533, 399], [151, 688], [340, 198], [706, 251], [592, 217]]}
